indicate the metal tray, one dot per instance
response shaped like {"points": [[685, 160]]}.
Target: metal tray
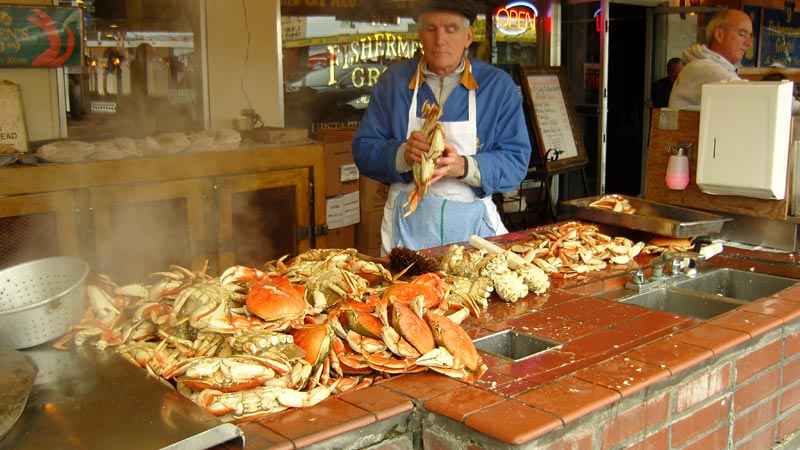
{"points": [[86, 398], [653, 217]]}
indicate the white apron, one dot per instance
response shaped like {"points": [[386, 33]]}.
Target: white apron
{"points": [[450, 211]]}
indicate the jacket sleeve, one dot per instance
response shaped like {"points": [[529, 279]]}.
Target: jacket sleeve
{"points": [[382, 130], [504, 148]]}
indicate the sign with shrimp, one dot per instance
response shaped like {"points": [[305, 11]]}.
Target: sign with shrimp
{"points": [[40, 36]]}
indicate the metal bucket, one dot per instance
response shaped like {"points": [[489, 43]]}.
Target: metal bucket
{"points": [[40, 300]]}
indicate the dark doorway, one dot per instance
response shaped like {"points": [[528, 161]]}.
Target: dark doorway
{"points": [[626, 68], [626, 74]]}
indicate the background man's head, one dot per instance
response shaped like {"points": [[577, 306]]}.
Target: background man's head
{"points": [[445, 31], [674, 67], [730, 33]]}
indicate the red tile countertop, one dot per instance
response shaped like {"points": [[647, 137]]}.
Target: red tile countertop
{"points": [[608, 351]]}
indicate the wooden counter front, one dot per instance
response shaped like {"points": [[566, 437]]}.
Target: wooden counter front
{"points": [[135, 216]]}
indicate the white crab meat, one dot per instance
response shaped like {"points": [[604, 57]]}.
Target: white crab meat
{"points": [[537, 281], [493, 265], [509, 286]]}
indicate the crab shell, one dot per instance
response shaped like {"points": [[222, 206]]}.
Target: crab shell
{"points": [[229, 374], [411, 327], [363, 323], [276, 299], [349, 362], [671, 243], [315, 340], [430, 285], [452, 337], [271, 397]]}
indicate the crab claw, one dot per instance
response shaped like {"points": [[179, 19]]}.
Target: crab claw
{"points": [[237, 274], [452, 337]]}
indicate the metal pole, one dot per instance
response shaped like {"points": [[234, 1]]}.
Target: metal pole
{"points": [[603, 100], [648, 104]]}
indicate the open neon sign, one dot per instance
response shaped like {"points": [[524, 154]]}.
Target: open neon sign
{"points": [[516, 18], [598, 17]]}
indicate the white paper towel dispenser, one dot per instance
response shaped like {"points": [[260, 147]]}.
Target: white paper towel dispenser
{"points": [[743, 145]]}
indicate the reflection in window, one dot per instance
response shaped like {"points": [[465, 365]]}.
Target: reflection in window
{"points": [[142, 71]]}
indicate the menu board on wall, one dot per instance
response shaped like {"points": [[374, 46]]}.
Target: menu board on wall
{"points": [[550, 108]]}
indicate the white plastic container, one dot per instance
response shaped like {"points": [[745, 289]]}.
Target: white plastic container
{"points": [[743, 145]]}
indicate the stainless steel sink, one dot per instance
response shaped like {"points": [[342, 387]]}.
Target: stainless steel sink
{"points": [[705, 295], [511, 344], [736, 284], [685, 303]]}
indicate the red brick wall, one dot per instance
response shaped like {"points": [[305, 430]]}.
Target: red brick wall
{"points": [[746, 398]]}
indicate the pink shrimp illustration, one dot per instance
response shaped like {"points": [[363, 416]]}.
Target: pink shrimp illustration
{"points": [[51, 57]]}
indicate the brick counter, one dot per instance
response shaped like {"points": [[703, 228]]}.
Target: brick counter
{"points": [[624, 377]]}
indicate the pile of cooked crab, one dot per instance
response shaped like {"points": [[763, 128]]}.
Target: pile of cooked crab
{"points": [[289, 334], [572, 248], [293, 332]]}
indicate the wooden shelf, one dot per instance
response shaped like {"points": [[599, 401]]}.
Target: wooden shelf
{"points": [[134, 216]]}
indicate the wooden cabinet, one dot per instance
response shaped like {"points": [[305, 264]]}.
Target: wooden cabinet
{"points": [[142, 228], [133, 217], [262, 216], [37, 226]]}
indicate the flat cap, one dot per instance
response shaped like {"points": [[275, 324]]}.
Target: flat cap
{"points": [[464, 7]]}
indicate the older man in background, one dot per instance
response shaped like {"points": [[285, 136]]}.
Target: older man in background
{"points": [[728, 36]]}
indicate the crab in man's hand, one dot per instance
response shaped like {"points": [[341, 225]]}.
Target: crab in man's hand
{"points": [[423, 170]]}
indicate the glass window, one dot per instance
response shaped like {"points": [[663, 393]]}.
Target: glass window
{"points": [[331, 65], [141, 74]]}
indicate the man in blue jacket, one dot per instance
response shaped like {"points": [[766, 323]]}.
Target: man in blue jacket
{"points": [[487, 146]]}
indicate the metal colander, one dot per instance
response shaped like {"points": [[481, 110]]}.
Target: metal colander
{"points": [[40, 300]]}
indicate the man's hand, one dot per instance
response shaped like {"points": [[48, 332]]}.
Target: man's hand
{"points": [[451, 164], [416, 146]]}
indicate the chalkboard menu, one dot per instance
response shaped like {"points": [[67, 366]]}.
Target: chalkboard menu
{"points": [[550, 109]]}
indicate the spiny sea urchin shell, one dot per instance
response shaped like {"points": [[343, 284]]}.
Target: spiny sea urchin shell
{"points": [[400, 258]]}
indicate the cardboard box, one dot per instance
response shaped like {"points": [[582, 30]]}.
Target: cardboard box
{"points": [[342, 210], [373, 194], [344, 237], [329, 135], [368, 230], [276, 135], [341, 173]]}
